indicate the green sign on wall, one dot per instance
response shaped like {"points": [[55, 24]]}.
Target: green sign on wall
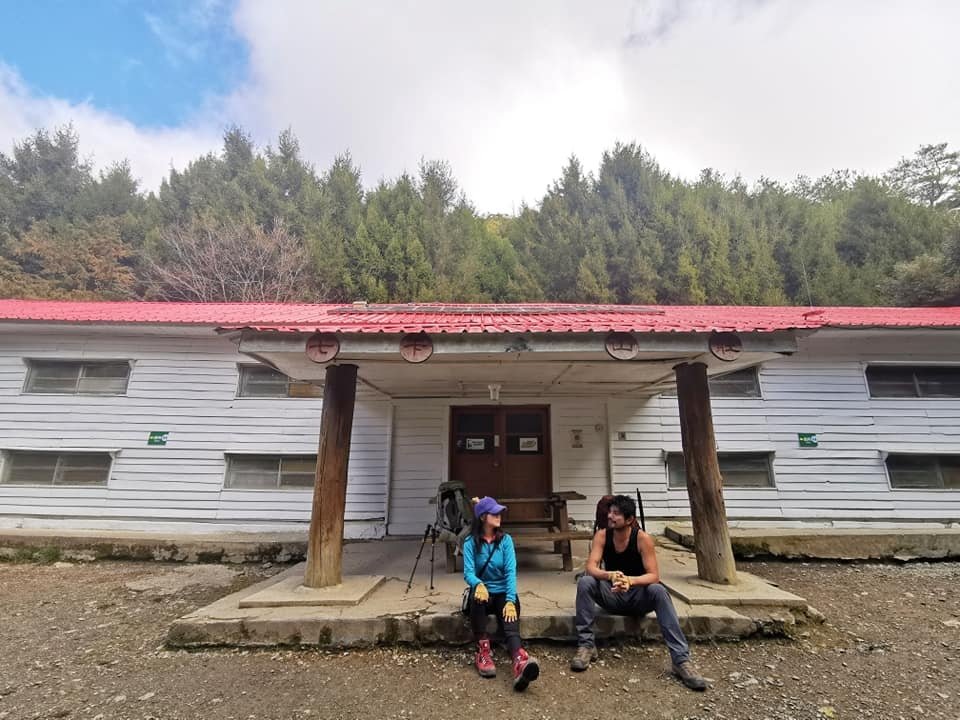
{"points": [[807, 439], [158, 437]]}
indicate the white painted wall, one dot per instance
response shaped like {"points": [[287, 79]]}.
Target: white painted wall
{"points": [[821, 389], [183, 381]]}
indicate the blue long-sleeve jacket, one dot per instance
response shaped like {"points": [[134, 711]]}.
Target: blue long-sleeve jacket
{"points": [[500, 575]]}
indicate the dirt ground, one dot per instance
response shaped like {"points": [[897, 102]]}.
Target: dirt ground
{"points": [[86, 641]]}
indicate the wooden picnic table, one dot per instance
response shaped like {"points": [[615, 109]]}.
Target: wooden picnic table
{"points": [[537, 519]]}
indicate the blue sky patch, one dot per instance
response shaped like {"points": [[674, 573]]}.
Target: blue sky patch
{"points": [[150, 61]]}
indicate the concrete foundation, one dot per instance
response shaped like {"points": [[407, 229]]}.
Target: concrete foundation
{"points": [[391, 614], [898, 543]]}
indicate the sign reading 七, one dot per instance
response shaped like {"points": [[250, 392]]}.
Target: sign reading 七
{"points": [[158, 437], [807, 439]]}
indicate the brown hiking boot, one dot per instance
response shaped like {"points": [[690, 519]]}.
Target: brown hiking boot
{"points": [[689, 677], [581, 661]]}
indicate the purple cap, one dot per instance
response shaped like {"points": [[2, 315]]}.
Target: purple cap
{"points": [[488, 505]]}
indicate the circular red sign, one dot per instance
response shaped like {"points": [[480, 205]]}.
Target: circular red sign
{"points": [[621, 346], [416, 347], [726, 346], [322, 347]]}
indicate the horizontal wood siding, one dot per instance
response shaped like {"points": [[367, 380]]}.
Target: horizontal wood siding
{"points": [[185, 385], [821, 389], [419, 463]]}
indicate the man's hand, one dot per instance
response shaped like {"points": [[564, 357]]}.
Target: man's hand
{"points": [[619, 581], [480, 593], [509, 612]]}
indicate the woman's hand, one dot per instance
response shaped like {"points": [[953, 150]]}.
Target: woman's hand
{"points": [[509, 612], [480, 593]]}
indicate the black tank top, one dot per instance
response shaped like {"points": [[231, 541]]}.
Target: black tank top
{"points": [[629, 562]]}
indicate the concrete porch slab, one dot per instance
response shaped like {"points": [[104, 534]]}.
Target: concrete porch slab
{"points": [[290, 592], [750, 590], [902, 543], [391, 614]]}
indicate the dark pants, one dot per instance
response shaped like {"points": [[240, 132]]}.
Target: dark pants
{"points": [[636, 601], [494, 606]]}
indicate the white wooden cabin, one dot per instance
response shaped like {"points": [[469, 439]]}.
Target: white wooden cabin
{"points": [[81, 396]]}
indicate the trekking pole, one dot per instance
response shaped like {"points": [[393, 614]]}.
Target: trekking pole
{"points": [[433, 551], [643, 522], [413, 572]]}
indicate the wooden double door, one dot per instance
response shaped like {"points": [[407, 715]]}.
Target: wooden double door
{"points": [[502, 451]]}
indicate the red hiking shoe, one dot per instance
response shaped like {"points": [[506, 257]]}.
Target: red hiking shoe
{"points": [[484, 661], [526, 669]]}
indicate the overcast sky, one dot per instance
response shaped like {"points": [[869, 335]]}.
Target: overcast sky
{"points": [[505, 91]]}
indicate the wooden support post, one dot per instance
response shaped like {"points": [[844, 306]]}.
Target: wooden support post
{"points": [[325, 545], [711, 536]]}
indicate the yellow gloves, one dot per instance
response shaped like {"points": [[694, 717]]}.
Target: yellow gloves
{"points": [[480, 593], [509, 612]]}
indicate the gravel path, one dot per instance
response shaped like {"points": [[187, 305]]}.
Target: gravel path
{"points": [[85, 641]]}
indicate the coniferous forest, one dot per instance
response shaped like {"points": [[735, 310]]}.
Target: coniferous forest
{"points": [[261, 224]]}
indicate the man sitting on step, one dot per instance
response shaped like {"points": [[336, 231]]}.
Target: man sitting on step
{"points": [[627, 584]]}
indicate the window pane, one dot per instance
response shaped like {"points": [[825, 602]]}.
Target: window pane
{"points": [[104, 378], [745, 471], [30, 468], [738, 470], [676, 472], [304, 390], [475, 423], [53, 377], [298, 472], [524, 423], [886, 381], [939, 382], [950, 471], [742, 383], [262, 382], [83, 469], [913, 471], [253, 472]]}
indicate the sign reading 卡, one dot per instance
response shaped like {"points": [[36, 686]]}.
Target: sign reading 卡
{"points": [[416, 347]]}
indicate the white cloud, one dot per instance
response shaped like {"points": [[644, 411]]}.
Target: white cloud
{"points": [[104, 138], [507, 91]]}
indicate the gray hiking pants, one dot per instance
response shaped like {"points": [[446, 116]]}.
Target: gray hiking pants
{"points": [[635, 601]]}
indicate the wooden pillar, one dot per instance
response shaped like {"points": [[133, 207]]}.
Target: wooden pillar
{"points": [[325, 545], [704, 485]]}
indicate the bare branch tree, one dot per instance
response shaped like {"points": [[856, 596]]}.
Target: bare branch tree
{"points": [[209, 261]]}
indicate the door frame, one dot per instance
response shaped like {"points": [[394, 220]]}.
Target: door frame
{"points": [[548, 434]]}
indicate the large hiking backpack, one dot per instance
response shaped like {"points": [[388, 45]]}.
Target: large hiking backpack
{"points": [[454, 512]]}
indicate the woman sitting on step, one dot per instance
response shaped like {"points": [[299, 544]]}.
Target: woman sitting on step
{"points": [[490, 569]]}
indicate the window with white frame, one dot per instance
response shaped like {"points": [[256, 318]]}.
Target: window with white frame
{"points": [[271, 472], [736, 384], [35, 467], [257, 381], [738, 469], [924, 472], [78, 377], [913, 381]]}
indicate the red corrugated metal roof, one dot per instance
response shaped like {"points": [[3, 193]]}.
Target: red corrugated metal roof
{"points": [[460, 318]]}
